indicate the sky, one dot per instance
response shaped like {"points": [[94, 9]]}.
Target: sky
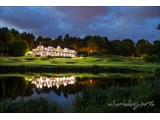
{"points": [[113, 22]]}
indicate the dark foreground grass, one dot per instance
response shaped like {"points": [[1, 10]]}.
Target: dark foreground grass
{"points": [[142, 98], [32, 105]]}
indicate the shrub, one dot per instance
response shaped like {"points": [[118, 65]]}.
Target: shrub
{"points": [[44, 58], [70, 62], [145, 58], [152, 58], [157, 73], [30, 59], [32, 105], [82, 54], [2, 47], [115, 60], [49, 56], [52, 61], [37, 55]]}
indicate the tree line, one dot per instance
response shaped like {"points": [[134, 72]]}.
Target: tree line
{"points": [[14, 43]]}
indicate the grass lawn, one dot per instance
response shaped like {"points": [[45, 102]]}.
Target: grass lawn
{"points": [[107, 61]]}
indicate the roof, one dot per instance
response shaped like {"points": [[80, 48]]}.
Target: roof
{"points": [[56, 45]]}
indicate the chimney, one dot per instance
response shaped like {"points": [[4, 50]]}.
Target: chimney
{"points": [[39, 43]]}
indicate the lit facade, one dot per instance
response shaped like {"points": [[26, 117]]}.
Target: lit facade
{"points": [[51, 51]]}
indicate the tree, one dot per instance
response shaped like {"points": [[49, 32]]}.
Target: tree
{"points": [[66, 37], [142, 47], [2, 47], [103, 44], [18, 48], [29, 38], [128, 48], [59, 39], [158, 27], [39, 40], [116, 47], [156, 47], [68, 41], [73, 42], [6, 37], [47, 40], [152, 58], [92, 45], [16, 34]]}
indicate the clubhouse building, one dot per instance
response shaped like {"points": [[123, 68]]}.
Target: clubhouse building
{"points": [[54, 52]]}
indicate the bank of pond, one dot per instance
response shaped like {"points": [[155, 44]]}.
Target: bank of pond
{"points": [[94, 69], [79, 93]]}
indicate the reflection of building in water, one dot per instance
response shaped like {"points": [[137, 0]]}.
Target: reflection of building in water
{"points": [[49, 82]]}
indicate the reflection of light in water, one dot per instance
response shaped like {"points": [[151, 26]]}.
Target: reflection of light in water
{"points": [[49, 82], [90, 81]]}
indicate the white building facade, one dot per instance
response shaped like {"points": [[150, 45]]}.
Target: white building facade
{"points": [[54, 52]]}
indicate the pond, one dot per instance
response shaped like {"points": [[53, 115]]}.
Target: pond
{"points": [[62, 89]]}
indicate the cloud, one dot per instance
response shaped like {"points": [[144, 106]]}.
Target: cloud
{"points": [[146, 12], [138, 13], [113, 22], [82, 13], [25, 17]]}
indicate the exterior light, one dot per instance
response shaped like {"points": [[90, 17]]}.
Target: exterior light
{"points": [[44, 51]]}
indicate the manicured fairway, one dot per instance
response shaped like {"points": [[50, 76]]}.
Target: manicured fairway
{"points": [[107, 61]]}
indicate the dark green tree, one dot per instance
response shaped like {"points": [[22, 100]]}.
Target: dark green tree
{"points": [[67, 40], [103, 44], [66, 37], [156, 47], [2, 47], [116, 47], [47, 40], [127, 48], [59, 40], [18, 48], [39, 40], [29, 38], [142, 47], [92, 44], [15, 34], [73, 42], [158, 27], [6, 37]]}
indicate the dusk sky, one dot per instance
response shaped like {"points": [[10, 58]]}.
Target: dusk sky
{"points": [[114, 22]]}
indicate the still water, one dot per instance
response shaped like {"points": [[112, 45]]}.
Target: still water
{"points": [[60, 89]]}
